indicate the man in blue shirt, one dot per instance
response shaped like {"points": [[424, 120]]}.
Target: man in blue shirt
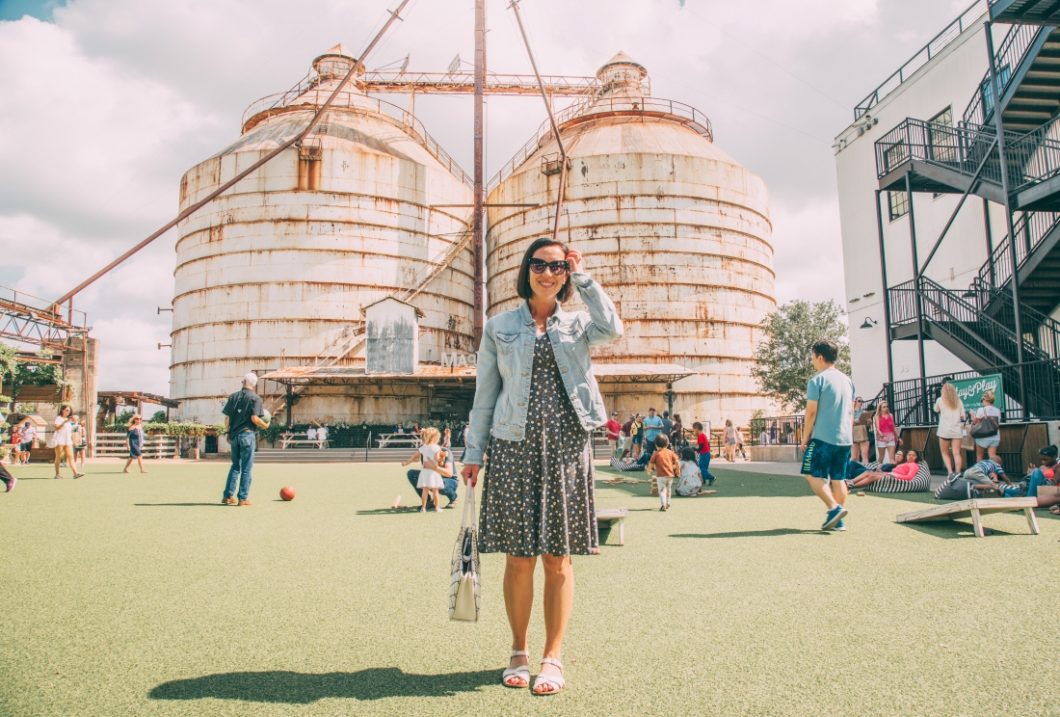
{"points": [[653, 427], [828, 434]]}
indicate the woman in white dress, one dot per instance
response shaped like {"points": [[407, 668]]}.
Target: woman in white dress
{"points": [[63, 440], [951, 415]]}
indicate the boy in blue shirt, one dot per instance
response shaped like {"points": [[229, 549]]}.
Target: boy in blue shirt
{"points": [[828, 434]]}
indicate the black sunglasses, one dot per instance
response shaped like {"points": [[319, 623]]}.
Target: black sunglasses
{"points": [[538, 266]]}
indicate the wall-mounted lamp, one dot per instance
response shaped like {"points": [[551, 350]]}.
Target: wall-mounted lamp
{"points": [[868, 323], [161, 346], [164, 308]]}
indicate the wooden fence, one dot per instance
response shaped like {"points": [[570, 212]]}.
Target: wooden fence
{"points": [[113, 445]]}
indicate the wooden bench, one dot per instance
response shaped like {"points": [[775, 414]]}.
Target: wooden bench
{"points": [[976, 508], [288, 439], [609, 517], [399, 439]]}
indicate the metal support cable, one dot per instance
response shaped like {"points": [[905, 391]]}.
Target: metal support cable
{"points": [[514, 5], [296, 139]]}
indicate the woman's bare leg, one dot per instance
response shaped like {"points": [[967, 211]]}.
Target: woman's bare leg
{"points": [[58, 460], [140, 462], [518, 602], [958, 454], [559, 602], [979, 451], [993, 455], [944, 446]]}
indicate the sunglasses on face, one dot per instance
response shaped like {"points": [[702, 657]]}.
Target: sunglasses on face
{"points": [[538, 266]]}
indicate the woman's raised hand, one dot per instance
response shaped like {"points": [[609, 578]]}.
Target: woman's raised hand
{"points": [[470, 474], [574, 258]]}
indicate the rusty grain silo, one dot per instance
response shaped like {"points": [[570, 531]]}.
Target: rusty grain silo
{"points": [[277, 270], [675, 229]]}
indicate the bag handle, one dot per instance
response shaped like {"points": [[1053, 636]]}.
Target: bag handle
{"points": [[470, 515]]}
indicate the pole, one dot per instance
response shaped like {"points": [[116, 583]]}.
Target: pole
{"points": [[886, 289], [919, 302], [288, 402], [989, 242], [999, 125], [478, 237], [296, 139]]}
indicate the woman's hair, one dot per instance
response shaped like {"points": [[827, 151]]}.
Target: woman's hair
{"points": [[65, 407], [429, 436], [989, 397], [677, 417], [950, 399], [522, 282], [883, 405], [911, 452], [688, 454], [728, 422], [899, 455]]}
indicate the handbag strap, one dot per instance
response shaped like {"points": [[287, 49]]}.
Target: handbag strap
{"points": [[470, 516]]}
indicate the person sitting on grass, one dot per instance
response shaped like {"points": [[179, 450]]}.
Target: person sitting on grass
{"points": [[988, 475], [663, 467], [906, 471], [1044, 474], [691, 481]]}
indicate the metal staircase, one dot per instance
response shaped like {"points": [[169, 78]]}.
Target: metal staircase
{"points": [[1026, 12], [981, 341], [1037, 261]]}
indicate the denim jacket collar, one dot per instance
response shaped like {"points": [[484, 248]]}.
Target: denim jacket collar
{"points": [[528, 319]]}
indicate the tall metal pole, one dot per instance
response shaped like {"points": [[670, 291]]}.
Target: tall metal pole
{"points": [[480, 189], [989, 242], [919, 301], [886, 292], [999, 125]]}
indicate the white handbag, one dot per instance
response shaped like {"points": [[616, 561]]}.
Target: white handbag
{"points": [[463, 582]]}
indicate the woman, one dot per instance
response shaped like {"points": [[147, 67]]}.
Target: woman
{"points": [[886, 434], [63, 441], [134, 441], [991, 414], [536, 398], [860, 450], [730, 441], [951, 415], [677, 433], [905, 471], [637, 431], [79, 436]]}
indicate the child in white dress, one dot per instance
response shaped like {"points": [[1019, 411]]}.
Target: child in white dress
{"points": [[430, 481], [691, 481]]}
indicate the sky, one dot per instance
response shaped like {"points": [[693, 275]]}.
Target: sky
{"points": [[106, 103]]}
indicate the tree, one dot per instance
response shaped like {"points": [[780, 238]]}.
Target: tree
{"points": [[782, 361]]}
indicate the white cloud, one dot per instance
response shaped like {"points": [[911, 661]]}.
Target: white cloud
{"points": [[105, 108]]}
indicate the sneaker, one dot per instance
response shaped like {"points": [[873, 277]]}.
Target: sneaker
{"points": [[228, 501], [245, 502], [833, 516], [11, 485], [840, 526], [662, 508]]}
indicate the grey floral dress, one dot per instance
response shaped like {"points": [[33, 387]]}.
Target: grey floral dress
{"points": [[538, 493]]}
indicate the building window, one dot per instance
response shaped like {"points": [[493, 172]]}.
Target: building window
{"points": [[897, 205], [942, 140], [987, 87]]}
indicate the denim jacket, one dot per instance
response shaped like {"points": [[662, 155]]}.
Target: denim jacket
{"points": [[506, 359]]}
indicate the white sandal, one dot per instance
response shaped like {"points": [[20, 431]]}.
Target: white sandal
{"points": [[522, 671], [555, 681]]}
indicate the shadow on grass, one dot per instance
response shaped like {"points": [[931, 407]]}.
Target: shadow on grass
{"points": [[297, 688], [955, 530], [774, 532], [181, 505]]}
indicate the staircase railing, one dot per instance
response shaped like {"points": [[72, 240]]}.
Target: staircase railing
{"points": [[1046, 329], [1030, 230], [1007, 57]]}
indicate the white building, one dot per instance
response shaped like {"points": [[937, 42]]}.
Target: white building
{"points": [[944, 89]]}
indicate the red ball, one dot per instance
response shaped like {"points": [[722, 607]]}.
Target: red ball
{"points": [[287, 492]]}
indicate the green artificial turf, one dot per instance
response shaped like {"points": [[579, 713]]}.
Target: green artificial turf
{"points": [[141, 595]]}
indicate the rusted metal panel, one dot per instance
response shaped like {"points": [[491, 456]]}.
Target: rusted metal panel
{"points": [[675, 230], [270, 274]]}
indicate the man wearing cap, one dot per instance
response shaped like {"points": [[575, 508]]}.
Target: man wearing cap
{"points": [[243, 417]]}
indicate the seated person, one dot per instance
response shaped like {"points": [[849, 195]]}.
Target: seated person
{"points": [[905, 471], [1044, 474], [988, 475], [856, 468], [449, 480], [691, 481]]}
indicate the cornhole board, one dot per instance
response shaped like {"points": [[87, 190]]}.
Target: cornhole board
{"points": [[609, 517], [976, 508]]}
